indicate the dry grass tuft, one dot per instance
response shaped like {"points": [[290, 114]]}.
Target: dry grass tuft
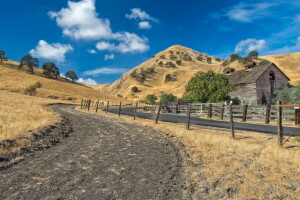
{"points": [[250, 167]]}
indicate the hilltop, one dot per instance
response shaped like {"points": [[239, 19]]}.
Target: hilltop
{"points": [[166, 72]]}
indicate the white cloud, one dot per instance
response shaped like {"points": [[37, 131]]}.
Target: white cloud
{"points": [[105, 70], [91, 51], [245, 46], [80, 21], [55, 51], [139, 14], [109, 57], [87, 81], [128, 43], [286, 49], [144, 25]]}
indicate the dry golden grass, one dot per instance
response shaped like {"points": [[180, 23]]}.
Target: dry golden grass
{"points": [[156, 83], [20, 113], [253, 164]]}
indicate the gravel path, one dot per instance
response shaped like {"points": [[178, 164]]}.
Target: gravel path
{"points": [[103, 158]]}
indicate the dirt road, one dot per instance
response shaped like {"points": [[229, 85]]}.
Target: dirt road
{"points": [[102, 158]]}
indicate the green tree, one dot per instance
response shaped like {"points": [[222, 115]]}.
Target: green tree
{"points": [[199, 58], [209, 60], [2, 56], [30, 62], [170, 64], [253, 54], [71, 75], [235, 57], [151, 98], [167, 97], [50, 69], [134, 89], [133, 73], [289, 95], [178, 62], [168, 77], [208, 87]]}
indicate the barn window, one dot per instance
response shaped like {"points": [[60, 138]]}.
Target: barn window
{"points": [[272, 82]]}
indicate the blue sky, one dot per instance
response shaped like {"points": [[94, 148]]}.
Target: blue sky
{"points": [[101, 40]]}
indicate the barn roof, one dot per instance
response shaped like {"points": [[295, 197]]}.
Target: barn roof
{"points": [[250, 76]]}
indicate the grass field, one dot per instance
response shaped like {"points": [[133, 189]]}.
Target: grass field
{"points": [[250, 167]]}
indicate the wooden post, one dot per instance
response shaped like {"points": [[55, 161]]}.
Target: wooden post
{"points": [[245, 113], [222, 112], [209, 110], [135, 109], [188, 116], [280, 128], [120, 106], [231, 121], [84, 102], [107, 106], [89, 105], [158, 113], [81, 104], [268, 114], [297, 116], [97, 106]]}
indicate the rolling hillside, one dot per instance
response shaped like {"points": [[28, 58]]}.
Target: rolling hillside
{"points": [[156, 70]]}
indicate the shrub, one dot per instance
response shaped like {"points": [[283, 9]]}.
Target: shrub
{"points": [[225, 63], [173, 57], [38, 85], [140, 78], [199, 58], [178, 53], [30, 90], [170, 65], [178, 62], [264, 62], [167, 97], [218, 59], [162, 57], [134, 89], [168, 77], [236, 101], [119, 95], [160, 63], [208, 60], [150, 70], [151, 98], [187, 57], [171, 52], [133, 73]]}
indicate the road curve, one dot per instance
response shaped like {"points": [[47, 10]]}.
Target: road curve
{"points": [[103, 158], [211, 123]]}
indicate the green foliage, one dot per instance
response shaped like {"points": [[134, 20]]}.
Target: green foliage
{"points": [[178, 52], [168, 77], [161, 63], [264, 62], [178, 62], [119, 95], [289, 95], [187, 57], [2, 56], [140, 78], [235, 57], [31, 90], [133, 73], [151, 98], [134, 89], [162, 57], [218, 59], [167, 97], [150, 70], [253, 54], [199, 58], [171, 52], [208, 87], [71, 75], [30, 62], [173, 57], [50, 69], [226, 62], [235, 101], [170, 65], [208, 60]]}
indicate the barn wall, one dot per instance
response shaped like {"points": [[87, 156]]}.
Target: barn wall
{"points": [[245, 92], [263, 85]]}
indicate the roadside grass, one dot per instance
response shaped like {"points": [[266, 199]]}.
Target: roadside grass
{"points": [[250, 167]]}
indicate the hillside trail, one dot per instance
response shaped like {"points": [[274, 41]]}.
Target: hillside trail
{"points": [[103, 158]]}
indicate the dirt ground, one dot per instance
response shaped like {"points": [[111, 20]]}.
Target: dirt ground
{"points": [[102, 158]]}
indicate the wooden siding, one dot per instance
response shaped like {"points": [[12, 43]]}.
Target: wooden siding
{"points": [[263, 85], [246, 93]]}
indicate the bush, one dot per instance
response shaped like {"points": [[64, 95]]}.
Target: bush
{"points": [[168, 77], [178, 52], [235, 101], [209, 60], [151, 98], [140, 78], [178, 62], [170, 65], [119, 95], [31, 90], [187, 57], [162, 57], [134, 89], [38, 85], [150, 70], [171, 52], [173, 57], [161, 63], [289, 95], [167, 97], [264, 62], [133, 73], [199, 58], [218, 59]]}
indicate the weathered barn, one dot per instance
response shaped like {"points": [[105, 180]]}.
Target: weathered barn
{"points": [[256, 84]]}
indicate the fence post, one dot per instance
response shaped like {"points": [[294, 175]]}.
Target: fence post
{"points": [[81, 104], [296, 116], [135, 109], [222, 112], [209, 110], [107, 106], [97, 106], [245, 109], [120, 106], [231, 121], [280, 128], [84, 102], [158, 113], [268, 113], [188, 116], [89, 105]]}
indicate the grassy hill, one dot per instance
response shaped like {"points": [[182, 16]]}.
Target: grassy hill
{"points": [[156, 69]]}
